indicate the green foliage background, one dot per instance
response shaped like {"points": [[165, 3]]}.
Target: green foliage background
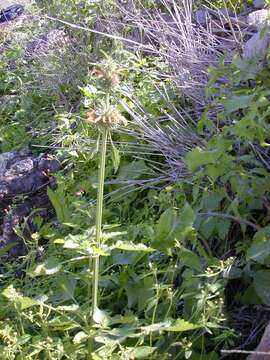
{"points": [[172, 255]]}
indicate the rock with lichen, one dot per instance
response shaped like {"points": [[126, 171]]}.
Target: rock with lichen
{"points": [[24, 178]]}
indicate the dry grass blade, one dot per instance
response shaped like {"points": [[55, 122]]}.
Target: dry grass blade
{"points": [[173, 33]]}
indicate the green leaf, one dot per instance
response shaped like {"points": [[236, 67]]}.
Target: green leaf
{"points": [[208, 226], [49, 267], [187, 215], [208, 356], [81, 241], [181, 325], [237, 102], [5, 249], [198, 157], [157, 327], [66, 285], [173, 226], [61, 323], [259, 250], [130, 246], [68, 308], [26, 302], [11, 293], [23, 302], [250, 297], [80, 337], [190, 259], [140, 352], [261, 284], [101, 317], [212, 201], [133, 171], [24, 339], [88, 90], [59, 205], [223, 227], [165, 229]]}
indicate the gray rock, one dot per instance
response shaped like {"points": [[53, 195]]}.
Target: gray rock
{"points": [[256, 46], [24, 178], [258, 18], [259, 4], [202, 17], [8, 157], [263, 347]]}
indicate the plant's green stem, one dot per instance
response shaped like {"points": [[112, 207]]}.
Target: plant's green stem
{"points": [[99, 211], [155, 308], [99, 219]]}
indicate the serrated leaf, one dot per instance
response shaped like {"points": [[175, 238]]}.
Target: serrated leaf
{"points": [[187, 215], [59, 205], [172, 226], [26, 302], [261, 284], [101, 317], [133, 170], [24, 339], [130, 246], [259, 250], [49, 267], [66, 285], [61, 323], [181, 325], [88, 90], [23, 302], [190, 259], [5, 249], [156, 327], [199, 157], [140, 352], [80, 337], [69, 308], [237, 102], [165, 229], [223, 227], [208, 226], [10, 293]]}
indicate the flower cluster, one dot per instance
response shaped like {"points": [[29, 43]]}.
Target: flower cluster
{"points": [[113, 119], [112, 78]]}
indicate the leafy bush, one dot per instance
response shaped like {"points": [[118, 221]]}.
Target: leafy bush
{"points": [[179, 256]]}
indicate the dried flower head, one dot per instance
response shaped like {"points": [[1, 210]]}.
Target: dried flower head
{"points": [[113, 77], [112, 119]]}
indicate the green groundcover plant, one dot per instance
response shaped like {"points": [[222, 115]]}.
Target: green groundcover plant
{"points": [[163, 274]]}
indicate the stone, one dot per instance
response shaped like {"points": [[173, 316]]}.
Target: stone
{"points": [[256, 46], [4, 159], [24, 178], [202, 17], [259, 4], [258, 18], [11, 13], [264, 346]]}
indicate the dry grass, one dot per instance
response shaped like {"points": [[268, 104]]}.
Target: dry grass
{"points": [[173, 34]]}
